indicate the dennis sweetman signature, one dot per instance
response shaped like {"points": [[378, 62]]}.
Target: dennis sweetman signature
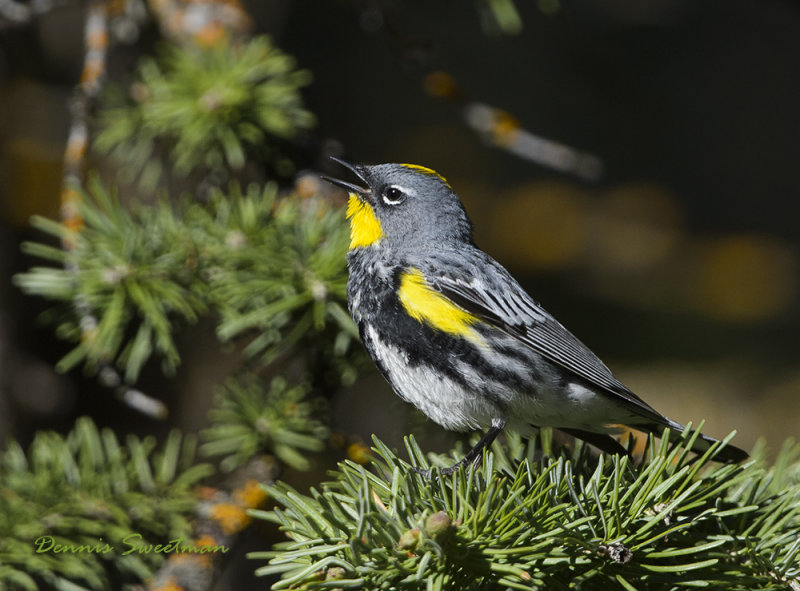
{"points": [[130, 544]]}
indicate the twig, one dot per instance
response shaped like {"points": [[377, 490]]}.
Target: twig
{"points": [[94, 68], [504, 131], [222, 515]]}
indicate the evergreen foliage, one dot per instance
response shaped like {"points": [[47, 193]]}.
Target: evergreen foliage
{"points": [[210, 108], [84, 491], [265, 266], [567, 521], [250, 418]]}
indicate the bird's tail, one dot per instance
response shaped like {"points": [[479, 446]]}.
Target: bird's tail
{"points": [[729, 453]]}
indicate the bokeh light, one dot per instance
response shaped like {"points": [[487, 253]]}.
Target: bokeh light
{"points": [[540, 225], [746, 277], [635, 226]]}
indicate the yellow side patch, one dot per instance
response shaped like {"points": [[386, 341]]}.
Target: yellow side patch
{"points": [[432, 308], [365, 229], [426, 170]]}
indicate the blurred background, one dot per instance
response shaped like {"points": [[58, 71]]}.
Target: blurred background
{"points": [[634, 164]]}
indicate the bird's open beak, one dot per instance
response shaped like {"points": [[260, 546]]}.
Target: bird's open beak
{"points": [[350, 187]]}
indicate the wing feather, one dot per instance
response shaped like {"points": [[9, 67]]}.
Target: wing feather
{"points": [[519, 316]]}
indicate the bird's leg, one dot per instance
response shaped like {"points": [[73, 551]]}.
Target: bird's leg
{"points": [[472, 455]]}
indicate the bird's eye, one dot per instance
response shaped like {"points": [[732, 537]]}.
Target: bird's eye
{"points": [[393, 196]]}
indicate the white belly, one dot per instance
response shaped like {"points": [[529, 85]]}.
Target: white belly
{"points": [[459, 408], [442, 400]]}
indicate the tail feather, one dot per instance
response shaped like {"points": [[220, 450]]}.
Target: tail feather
{"points": [[728, 454]]}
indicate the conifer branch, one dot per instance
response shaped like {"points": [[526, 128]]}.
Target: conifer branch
{"points": [[96, 41], [206, 110], [250, 419], [95, 498], [521, 521], [147, 272]]}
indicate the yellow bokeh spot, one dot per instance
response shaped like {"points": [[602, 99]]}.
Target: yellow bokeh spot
{"points": [[211, 35], [441, 85], [205, 540], [505, 128], [230, 517], [251, 495], [540, 225], [171, 584], [746, 278], [359, 453], [635, 227], [197, 560]]}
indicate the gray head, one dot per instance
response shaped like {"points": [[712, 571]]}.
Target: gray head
{"points": [[404, 206]]}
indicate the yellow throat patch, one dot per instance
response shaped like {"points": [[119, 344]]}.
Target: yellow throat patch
{"points": [[365, 229], [432, 308]]}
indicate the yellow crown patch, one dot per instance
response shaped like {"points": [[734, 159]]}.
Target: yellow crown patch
{"points": [[426, 170]]}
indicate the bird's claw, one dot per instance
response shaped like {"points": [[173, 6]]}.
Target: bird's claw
{"points": [[428, 474]]}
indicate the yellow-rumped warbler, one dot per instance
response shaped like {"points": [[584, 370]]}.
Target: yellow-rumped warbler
{"points": [[457, 336]]}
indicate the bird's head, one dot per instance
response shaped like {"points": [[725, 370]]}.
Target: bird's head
{"points": [[404, 206]]}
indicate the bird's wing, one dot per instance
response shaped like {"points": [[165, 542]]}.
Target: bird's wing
{"points": [[515, 313]]}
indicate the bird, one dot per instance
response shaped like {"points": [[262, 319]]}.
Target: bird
{"points": [[458, 337]]}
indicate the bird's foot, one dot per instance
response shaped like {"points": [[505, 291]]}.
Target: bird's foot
{"points": [[465, 461], [472, 457]]}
